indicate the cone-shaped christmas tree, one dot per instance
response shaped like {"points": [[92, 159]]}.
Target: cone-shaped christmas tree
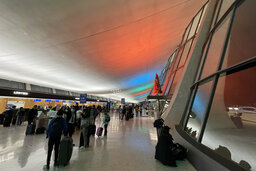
{"points": [[157, 88]]}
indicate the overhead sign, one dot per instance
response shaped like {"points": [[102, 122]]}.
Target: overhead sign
{"points": [[83, 98], [122, 100], [20, 93]]}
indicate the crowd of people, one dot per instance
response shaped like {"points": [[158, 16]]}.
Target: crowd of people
{"points": [[66, 121]]}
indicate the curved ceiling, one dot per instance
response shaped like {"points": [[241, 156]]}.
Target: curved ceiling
{"points": [[111, 48]]}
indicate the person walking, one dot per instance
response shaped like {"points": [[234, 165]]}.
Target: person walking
{"points": [[20, 114], [32, 114], [92, 126], [85, 122], [71, 120], [123, 112], [54, 131], [106, 119]]}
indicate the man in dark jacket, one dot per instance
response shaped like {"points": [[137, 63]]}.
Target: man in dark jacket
{"points": [[32, 114], [164, 146], [54, 131]]}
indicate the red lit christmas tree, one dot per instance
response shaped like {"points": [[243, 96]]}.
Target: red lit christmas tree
{"points": [[157, 88]]}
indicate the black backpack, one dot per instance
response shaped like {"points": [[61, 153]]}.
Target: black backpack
{"points": [[179, 152], [57, 128]]}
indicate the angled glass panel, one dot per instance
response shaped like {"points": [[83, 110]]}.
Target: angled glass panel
{"points": [[216, 48], [231, 126], [197, 112], [241, 45]]}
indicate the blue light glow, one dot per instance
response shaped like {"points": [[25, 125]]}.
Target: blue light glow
{"points": [[140, 79], [37, 100], [70, 101], [48, 100], [56, 100], [141, 96], [64, 101]]}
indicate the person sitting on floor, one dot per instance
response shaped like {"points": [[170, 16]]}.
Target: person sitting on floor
{"points": [[164, 146]]}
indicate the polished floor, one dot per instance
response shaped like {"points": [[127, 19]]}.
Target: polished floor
{"points": [[130, 145]]}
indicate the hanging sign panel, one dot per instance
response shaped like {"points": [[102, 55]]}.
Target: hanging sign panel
{"points": [[83, 98]]}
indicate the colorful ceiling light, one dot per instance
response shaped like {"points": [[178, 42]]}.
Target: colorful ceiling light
{"points": [[140, 88]]}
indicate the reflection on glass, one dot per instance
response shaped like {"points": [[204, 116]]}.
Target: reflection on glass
{"points": [[186, 34], [215, 14], [242, 38], [216, 48], [202, 61], [224, 7], [194, 26], [196, 115], [232, 119], [176, 80], [185, 53]]}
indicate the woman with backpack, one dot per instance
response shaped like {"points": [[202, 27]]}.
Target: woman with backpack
{"points": [[106, 119]]}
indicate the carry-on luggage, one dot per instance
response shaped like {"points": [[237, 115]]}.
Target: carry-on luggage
{"points": [[99, 131], [40, 130], [42, 123], [30, 129], [81, 143], [1, 119], [92, 129], [179, 152], [65, 152], [14, 119], [126, 117], [7, 121]]}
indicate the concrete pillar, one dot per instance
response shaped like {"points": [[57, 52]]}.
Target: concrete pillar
{"points": [[173, 114]]}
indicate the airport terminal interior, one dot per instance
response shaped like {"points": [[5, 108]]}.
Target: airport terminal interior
{"points": [[128, 85]]}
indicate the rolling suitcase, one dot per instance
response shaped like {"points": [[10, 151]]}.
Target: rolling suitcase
{"points": [[65, 152], [7, 122], [14, 119], [99, 131], [30, 129], [1, 119], [40, 130], [81, 143]]}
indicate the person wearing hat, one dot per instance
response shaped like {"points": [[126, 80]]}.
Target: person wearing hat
{"points": [[164, 146], [54, 132]]}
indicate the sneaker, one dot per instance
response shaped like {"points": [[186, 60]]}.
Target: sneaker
{"points": [[82, 148], [46, 167]]}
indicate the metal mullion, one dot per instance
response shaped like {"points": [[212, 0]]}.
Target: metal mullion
{"points": [[189, 105], [192, 41], [227, 39], [218, 12], [205, 56], [207, 112], [229, 69], [199, 21]]}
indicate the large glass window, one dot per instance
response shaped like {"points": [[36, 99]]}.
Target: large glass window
{"points": [[225, 5], [185, 53], [222, 111], [216, 48], [242, 40], [196, 114], [231, 125]]}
